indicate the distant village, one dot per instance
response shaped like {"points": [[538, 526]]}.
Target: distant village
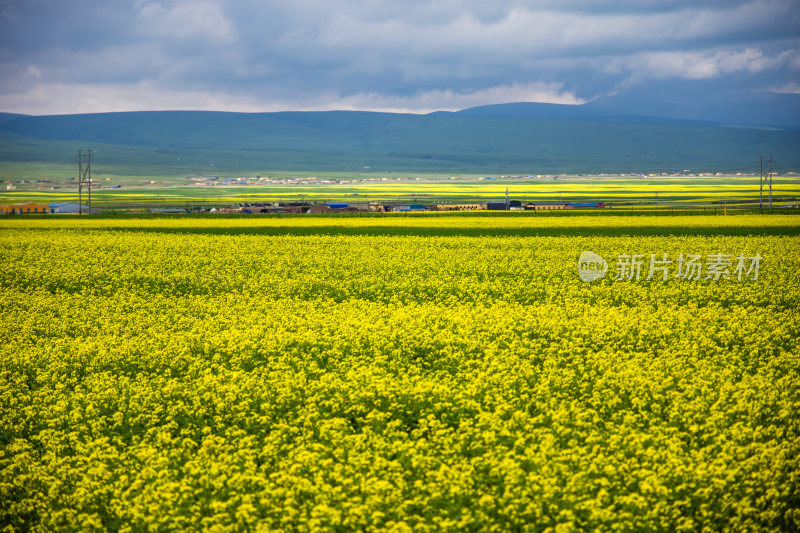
{"points": [[318, 207], [341, 207], [221, 181], [53, 184], [32, 208]]}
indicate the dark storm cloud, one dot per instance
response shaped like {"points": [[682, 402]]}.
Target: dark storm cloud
{"points": [[58, 57]]}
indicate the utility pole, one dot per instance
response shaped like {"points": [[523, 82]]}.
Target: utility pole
{"points": [[765, 179], [761, 185], [769, 173], [508, 204], [84, 176]]}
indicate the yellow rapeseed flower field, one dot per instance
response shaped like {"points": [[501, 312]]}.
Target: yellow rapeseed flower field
{"points": [[429, 373]]}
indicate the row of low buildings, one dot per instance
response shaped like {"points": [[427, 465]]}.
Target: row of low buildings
{"points": [[343, 207], [303, 207], [33, 208], [502, 205], [516, 205]]}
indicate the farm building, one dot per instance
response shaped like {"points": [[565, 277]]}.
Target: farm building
{"points": [[341, 207], [293, 207], [589, 205], [460, 207], [540, 206], [167, 210], [23, 209], [408, 207], [67, 207], [502, 205]]}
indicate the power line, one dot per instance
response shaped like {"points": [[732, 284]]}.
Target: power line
{"points": [[762, 180], [84, 176]]}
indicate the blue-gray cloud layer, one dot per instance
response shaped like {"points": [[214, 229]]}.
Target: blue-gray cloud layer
{"points": [[95, 55]]}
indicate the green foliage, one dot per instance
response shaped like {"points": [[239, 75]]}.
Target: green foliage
{"points": [[405, 373]]}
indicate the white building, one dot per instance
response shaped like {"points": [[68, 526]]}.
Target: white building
{"points": [[67, 207]]}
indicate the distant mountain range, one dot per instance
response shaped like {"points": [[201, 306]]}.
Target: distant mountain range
{"points": [[505, 138], [707, 101], [589, 112], [696, 102]]}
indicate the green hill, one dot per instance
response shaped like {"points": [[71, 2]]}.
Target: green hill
{"points": [[523, 138]]}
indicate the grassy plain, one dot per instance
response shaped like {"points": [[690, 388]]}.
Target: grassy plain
{"points": [[413, 373], [621, 191]]}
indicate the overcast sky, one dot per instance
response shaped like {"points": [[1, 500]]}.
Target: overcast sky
{"points": [[81, 56]]}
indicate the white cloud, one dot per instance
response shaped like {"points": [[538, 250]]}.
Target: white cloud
{"points": [[449, 100], [795, 62], [787, 88], [45, 99], [696, 65], [195, 20], [381, 54], [545, 30], [32, 72]]}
